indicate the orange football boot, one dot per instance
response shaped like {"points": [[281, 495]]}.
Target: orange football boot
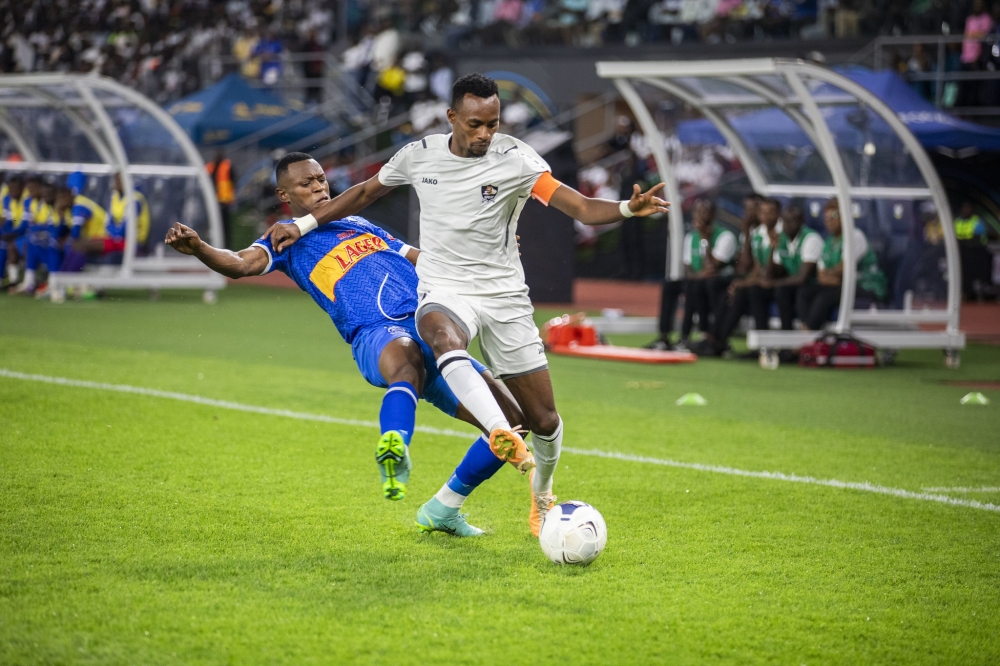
{"points": [[507, 445], [540, 505]]}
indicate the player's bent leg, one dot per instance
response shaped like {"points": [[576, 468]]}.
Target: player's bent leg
{"points": [[534, 391], [392, 359], [448, 339]]}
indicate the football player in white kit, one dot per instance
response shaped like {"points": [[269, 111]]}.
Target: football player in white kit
{"points": [[472, 185]]}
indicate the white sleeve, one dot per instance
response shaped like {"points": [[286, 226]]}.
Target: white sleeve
{"points": [[725, 247], [812, 249], [397, 170], [532, 166], [860, 245], [687, 249]]}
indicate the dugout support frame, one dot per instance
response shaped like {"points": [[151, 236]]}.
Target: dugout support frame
{"points": [[802, 91], [87, 102]]}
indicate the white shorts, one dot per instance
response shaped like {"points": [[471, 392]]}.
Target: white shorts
{"points": [[507, 333]]}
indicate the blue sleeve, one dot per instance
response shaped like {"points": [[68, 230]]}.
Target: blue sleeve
{"points": [[81, 211], [275, 261], [394, 243]]}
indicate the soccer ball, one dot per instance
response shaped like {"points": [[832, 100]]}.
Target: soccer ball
{"points": [[573, 533]]}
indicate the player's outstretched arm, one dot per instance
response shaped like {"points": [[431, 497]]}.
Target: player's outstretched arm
{"points": [[350, 202], [251, 261], [604, 211]]}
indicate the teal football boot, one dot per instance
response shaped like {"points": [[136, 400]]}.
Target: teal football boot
{"points": [[436, 517], [393, 458]]}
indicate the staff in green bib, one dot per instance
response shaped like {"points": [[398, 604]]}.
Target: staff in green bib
{"points": [[748, 292], [816, 302], [710, 253], [794, 265]]}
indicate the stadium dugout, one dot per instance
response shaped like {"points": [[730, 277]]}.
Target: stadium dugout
{"points": [[58, 123], [850, 145]]}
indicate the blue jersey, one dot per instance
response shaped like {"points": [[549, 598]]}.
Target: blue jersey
{"points": [[353, 270]]}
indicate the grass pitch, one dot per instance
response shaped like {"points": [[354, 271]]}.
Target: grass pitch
{"points": [[137, 529]]}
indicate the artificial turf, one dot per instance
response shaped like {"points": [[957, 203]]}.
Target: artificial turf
{"points": [[138, 529]]}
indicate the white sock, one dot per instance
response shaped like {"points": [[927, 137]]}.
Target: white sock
{"points": [[12, 273], [546, 450], [450, 498], [471, 389], [29, 278]]}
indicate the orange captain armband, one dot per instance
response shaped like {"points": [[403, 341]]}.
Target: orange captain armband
{"points": [[544, 188]]}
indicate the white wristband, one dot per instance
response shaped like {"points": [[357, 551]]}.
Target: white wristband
{"points": [[625, 210], [305, 224]]}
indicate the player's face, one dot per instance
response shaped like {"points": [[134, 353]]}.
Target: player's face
{"points": [[304, 187], [16, 188], [474, 124], [831, 219], [768, 214], [118, 184], [49, 193], [64, 199], [34, 189]]}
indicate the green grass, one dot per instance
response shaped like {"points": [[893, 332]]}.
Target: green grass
{"points": [[142, 530]]}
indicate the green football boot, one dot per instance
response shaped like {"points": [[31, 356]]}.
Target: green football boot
{"points": [[434, 516], [393, 458]]}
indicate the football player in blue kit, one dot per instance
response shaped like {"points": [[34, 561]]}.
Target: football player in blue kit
{"points": [[364, 278]]}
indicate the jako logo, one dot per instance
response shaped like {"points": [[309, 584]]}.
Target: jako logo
{"points": [[429, 181]]}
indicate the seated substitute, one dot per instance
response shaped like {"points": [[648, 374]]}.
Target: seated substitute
{"points": [[672, 289], [365, 280], [799, 249], [709, 254], [13, 239], [816, 302], [750, 291]]}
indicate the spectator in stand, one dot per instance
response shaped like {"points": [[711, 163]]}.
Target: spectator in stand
{"points": [[313, 69], [920, 63], [709, 255], [795, 258], [268, 50], [385, 45], [978, 25], [442, 77], [357, 60], [816, 302], [220, 170], [749, 291]]}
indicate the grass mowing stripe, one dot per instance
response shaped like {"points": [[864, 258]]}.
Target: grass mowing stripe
{"points": [[701, 467]]}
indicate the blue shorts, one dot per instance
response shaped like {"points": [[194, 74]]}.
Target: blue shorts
{"points": [[371, 340]]}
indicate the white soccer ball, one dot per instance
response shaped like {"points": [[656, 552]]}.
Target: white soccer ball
{"points": [[573, 533]]}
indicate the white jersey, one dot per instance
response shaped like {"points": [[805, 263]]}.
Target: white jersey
{"points": [[468, 212]]}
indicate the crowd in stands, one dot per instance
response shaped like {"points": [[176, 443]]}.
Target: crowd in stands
{"points": [[50, 225], [979, 51], [157, 46]]}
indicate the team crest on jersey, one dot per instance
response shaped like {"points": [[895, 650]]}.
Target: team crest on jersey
{"points": [[489, 193]]}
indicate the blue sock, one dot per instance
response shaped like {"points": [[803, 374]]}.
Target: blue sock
{"points": [[478, 465], [399, 410], [3, 260]]}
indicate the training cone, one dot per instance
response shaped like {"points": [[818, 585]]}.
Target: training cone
{"points": [[691, 400], [970, 399]]}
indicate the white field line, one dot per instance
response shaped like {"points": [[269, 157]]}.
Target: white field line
{"points": [[627, 457], [962, 489]]}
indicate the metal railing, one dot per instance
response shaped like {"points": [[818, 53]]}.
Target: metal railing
{"points": [[940, 75]]}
